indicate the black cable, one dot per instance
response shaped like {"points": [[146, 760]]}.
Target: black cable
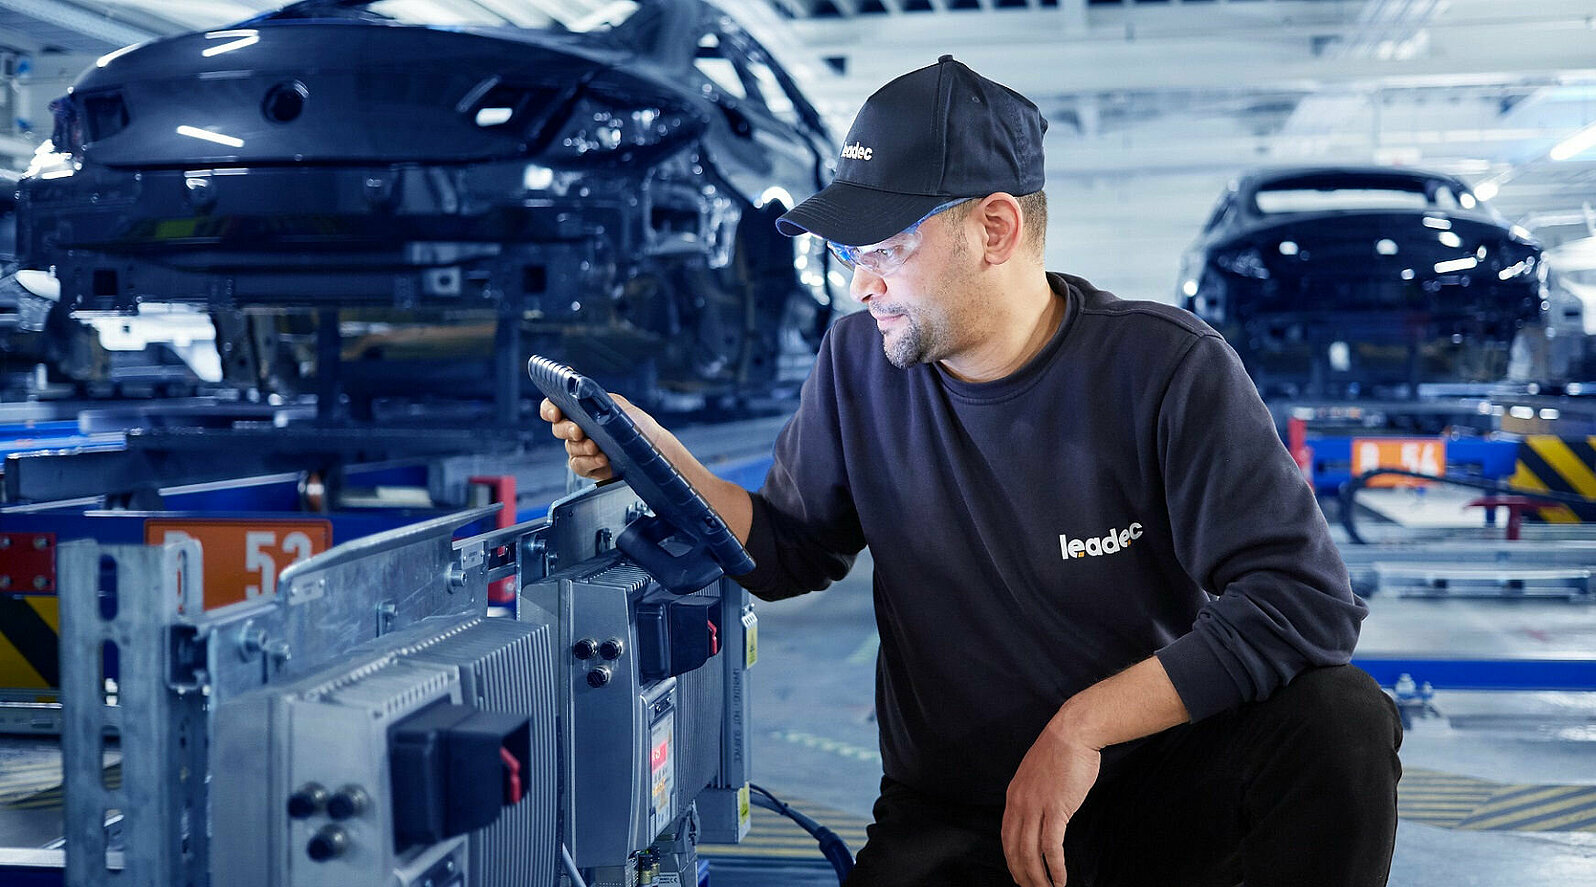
{"points": [[831, 846], [1350, 489]]}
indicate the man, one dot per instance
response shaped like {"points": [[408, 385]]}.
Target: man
{"points": [[1113, 625]]}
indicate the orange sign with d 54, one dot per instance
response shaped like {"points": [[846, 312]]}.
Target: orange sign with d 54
{"points": [[1421, 455]]}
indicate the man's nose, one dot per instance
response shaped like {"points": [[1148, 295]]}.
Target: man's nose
{"points": [[866, 284]]}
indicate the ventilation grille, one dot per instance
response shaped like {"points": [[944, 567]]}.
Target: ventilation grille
{"points": [[508, 666], [625, 575], [698, 727]]}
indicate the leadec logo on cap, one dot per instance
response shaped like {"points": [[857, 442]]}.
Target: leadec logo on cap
{"points": [[857, 151]]}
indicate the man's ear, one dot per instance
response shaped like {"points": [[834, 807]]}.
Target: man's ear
{"points": [[1002, 227]]}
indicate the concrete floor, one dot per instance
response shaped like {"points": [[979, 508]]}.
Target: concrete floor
{"points": [[815, 743]]}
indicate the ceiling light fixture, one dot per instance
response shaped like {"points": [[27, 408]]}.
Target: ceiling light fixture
{"points": [[1575, 144]]}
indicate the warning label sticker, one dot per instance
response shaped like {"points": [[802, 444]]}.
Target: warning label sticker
{"points": [[662, 771]]}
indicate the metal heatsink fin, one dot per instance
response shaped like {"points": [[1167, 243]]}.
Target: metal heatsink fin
{"points": [[508, 666]]}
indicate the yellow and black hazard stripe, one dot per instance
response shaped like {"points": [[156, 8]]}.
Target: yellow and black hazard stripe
{"points": [[1537, 808], [30, 645], [772, 835], [1547, 463], [1462, 802]]}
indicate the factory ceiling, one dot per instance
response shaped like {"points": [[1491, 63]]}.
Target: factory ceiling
{"points": [[1493, 92]]}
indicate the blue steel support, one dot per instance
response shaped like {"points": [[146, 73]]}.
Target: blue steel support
{"points": [[1478, 457], [1483, 674]]}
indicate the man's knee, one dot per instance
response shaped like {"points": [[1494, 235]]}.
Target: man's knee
{"points": [[1337, 713]]}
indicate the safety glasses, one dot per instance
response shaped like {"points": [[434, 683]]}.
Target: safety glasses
{"points": [[889, 255]]}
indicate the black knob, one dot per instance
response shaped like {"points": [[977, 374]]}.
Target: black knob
{"points": [[331, 841], [348, 801], [584, 648], [307, 801], [598, 677], [612, 649]]}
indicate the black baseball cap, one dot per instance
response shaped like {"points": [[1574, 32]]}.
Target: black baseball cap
{"points": [[937, 134]]}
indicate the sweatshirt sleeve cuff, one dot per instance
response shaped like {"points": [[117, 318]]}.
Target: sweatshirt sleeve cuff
{"points": [[1199, 675], [763, 580]]}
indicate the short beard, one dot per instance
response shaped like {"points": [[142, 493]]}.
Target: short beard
{"points": [[927, 342], [910, 347]]}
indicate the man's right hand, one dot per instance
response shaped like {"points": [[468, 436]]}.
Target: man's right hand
{"points": [[587, 460], [582, 452]]}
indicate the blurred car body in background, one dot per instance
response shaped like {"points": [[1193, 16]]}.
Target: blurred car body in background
{"points": [[607, 187], [1362, 282]]}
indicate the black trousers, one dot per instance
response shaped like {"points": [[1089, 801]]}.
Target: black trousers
{"points": [[1298, 790]]}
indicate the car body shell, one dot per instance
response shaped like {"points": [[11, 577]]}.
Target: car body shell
{"points": [[600, 187], [1362, 281]]}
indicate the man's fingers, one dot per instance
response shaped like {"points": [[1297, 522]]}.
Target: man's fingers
{"points": [[1030, 873], [1014, 844], [592, 467], [582, 452], [1033, 846], [1011, 845], [1053, 851], [568, 430]]}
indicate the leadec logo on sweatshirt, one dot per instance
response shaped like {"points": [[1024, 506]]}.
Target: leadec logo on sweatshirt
{"points": [[1097, 546]]}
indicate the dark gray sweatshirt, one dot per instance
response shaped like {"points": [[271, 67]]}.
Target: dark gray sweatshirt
{"points": [[1123, 495]]}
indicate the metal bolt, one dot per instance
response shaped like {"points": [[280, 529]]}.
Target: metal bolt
{"points": [[40, 582], [5, 582], [251, 641], [328, 843], [40, 543], [350, 800], [307, 801], [457, 578], [5, 542], [387, 612]]}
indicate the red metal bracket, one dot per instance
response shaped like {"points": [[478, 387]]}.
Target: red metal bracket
{"points": [[27, 563]]}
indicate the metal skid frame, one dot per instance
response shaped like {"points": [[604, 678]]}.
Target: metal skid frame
{"points": [[156, 719], [178, 663], [1495, 570]]}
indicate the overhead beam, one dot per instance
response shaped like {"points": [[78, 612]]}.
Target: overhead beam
{"points": [[776, 34], [1455, 151], [1023, 50], [796, 8], [102, 27], [19, 41]]}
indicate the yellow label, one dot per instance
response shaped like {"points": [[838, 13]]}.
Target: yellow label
{"points": [[750, 639], [742, 805]]}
